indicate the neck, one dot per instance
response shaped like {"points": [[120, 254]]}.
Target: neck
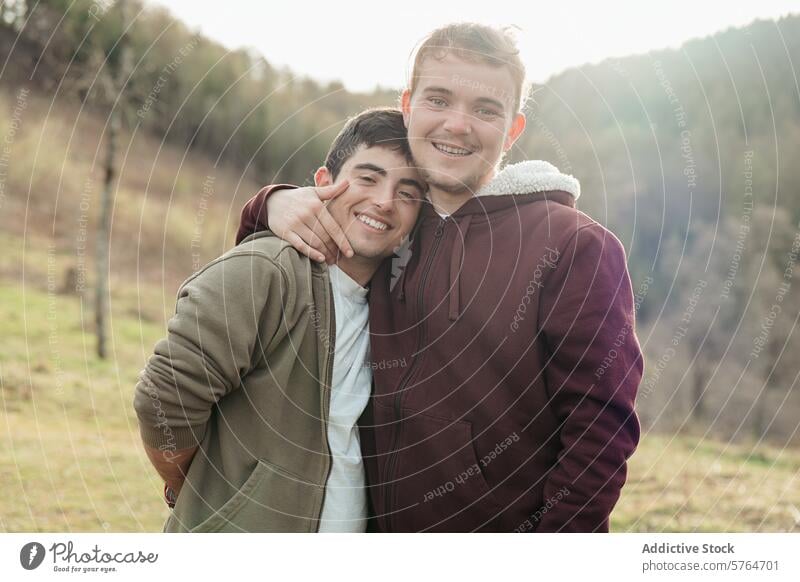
{"points": [[447, 202], [359, 269]]}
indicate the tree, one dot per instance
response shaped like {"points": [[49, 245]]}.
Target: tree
{"points": [[115, 77]]}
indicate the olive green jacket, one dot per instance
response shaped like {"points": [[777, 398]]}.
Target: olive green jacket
{"points": [[245, 373]]}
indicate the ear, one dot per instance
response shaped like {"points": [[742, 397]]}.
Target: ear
{"points": [[405, 106], [322, 177], [516, 129]]}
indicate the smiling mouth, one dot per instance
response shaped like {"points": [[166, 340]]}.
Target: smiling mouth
{"points": [[372, 222], [451, 150]]}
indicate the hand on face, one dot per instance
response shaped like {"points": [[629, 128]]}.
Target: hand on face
{"points": [[300, 217], [382, 203], [319, 225]]}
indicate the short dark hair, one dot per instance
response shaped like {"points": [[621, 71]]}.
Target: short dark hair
{"points": [[380, 126]]}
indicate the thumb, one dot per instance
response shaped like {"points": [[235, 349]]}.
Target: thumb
{"points": [[332, 191]]}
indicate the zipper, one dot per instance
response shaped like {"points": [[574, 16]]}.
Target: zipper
{"points": [[392, 460], [326, 403]]}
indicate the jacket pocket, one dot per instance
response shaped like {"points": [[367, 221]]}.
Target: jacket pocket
{"points": [[272, 499], [439, 484]]}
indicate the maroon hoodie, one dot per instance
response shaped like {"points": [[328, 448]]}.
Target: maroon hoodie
{"points": [[505, 365]]}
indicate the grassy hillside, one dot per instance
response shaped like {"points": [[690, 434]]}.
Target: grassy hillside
{"points": [[174, 209], [70, 456], [72, 459], [70, 453]]}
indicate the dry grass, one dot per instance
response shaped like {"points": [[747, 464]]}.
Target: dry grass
{"points": [[72, 461], [684, 483], [70, 453]]}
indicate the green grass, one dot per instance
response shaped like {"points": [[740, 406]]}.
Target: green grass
{"points": [[70, 454], [71, 458], [684, 483]]}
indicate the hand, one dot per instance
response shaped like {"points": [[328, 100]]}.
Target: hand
{"points": [[175, 484], [170, 495], [300, 218], [171, 465]]}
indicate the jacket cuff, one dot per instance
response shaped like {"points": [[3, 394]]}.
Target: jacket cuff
{"points": [[166, 438], [155, 430], [254, 214]]}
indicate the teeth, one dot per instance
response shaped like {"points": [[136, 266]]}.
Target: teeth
{"points": [[453, 151], [373, 223]]}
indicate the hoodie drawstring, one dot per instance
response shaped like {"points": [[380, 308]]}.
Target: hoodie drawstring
{"points": [[456, 262]]}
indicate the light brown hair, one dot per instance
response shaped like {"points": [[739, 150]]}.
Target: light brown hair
{"points": [[474, 43]]}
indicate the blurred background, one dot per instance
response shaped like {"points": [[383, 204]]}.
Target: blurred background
{"points": [[131, 134]]}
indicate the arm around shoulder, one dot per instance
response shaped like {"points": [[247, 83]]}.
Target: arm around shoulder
{"points": [[254, 213]]}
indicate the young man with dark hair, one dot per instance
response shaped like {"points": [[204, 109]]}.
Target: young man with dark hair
{"points": [[248, 407], [508, 305]]}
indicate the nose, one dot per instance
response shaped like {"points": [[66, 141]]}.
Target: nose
{"points": [[458, 122], [384, 197]]}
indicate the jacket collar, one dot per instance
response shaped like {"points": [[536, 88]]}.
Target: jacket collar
{"points": [[517, 184], [529, 177]]}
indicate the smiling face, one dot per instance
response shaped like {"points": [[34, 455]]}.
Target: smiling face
{"points": [[380, 207], [461, 118]]}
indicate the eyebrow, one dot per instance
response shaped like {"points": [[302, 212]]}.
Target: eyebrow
{"points": [[489, 101], [442, 90], [371, 168], [382, 172]]}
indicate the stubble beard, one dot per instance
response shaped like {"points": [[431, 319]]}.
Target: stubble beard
{"points": [[467, 186]]}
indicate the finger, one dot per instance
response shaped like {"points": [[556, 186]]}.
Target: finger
{"points": [[319, 238], [334, 230], [304, 248], [332, 191], [309, 236]]}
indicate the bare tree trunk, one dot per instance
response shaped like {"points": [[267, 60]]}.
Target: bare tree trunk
{"points": [[699, 379], [698, 411], [760, 415], [104, 234], [772, 381], [117, 79]]}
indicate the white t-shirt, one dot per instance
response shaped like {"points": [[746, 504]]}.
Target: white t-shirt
{"points": [[345, 505]]}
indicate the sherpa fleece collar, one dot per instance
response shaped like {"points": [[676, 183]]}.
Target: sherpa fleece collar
{"points": [[530, 176]]}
